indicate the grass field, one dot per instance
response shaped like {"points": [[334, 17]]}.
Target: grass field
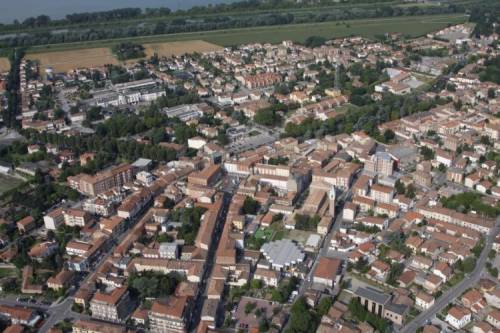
{"points": [[264, 234], [7, 183], [4, 65], [409, 25], [7, 272], [63, 61]]}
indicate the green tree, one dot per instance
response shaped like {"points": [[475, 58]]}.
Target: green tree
{"points": [[469, 264], [427, 153], [250, 206], [267, 117], [400, 187], [301, 318], [324, 306]]}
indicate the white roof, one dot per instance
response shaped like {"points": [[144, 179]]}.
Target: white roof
{"points": [[282, 253]]}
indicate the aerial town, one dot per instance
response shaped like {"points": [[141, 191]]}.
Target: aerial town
{"points": [[351, 186]]}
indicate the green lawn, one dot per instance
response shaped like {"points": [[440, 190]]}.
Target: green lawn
{"points": [[264, 233], [7, 183], [7, 272], [408, 25]]}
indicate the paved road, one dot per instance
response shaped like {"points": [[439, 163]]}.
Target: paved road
{"points": [[55, 312], [450, 295], [325, 245], [195, 315], [59, 312]]}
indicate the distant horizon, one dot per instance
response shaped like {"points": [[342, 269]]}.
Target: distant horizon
{"points": [[57, 9]]}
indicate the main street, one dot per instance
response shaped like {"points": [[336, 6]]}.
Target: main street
{"points": [[210, 261], [453, 293]]}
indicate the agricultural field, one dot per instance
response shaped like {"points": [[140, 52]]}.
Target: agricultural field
{"points": [[8, 183], [179, 48], [63, 61], [4, 65], [409, 25]]}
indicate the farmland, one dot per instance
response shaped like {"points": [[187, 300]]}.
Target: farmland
{"points": [[63, 61], [4, 65], [412, 26]]}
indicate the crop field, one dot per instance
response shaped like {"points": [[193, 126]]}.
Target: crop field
{"points": [[63, 61], [408, 25], [179, 48], [411, 26], [4, 65]]}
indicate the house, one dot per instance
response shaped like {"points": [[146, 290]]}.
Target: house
{"points": [[140, 316], [423, 300], [458, 317], [444, 157], [382, 193], [493, 298], [414, 243], [373, 221], [349, 212], [432, 282], [493, 318], [169, 315], [16, 328], [196, 142], [76, 217], [19, 315], [61, 280], [473, 300], [268, 276], [215, 288], [482, 327], [379, 269], [26, 224], [40, 251], [326, 271], [406, 278], [111, 306], [420, 262], [431, 329], [54, 219], [443, 270]]}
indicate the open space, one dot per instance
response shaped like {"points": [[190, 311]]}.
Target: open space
{"points": [[411, 26], [62, 61], [65, 60], [4, 65], [8, 183]]}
